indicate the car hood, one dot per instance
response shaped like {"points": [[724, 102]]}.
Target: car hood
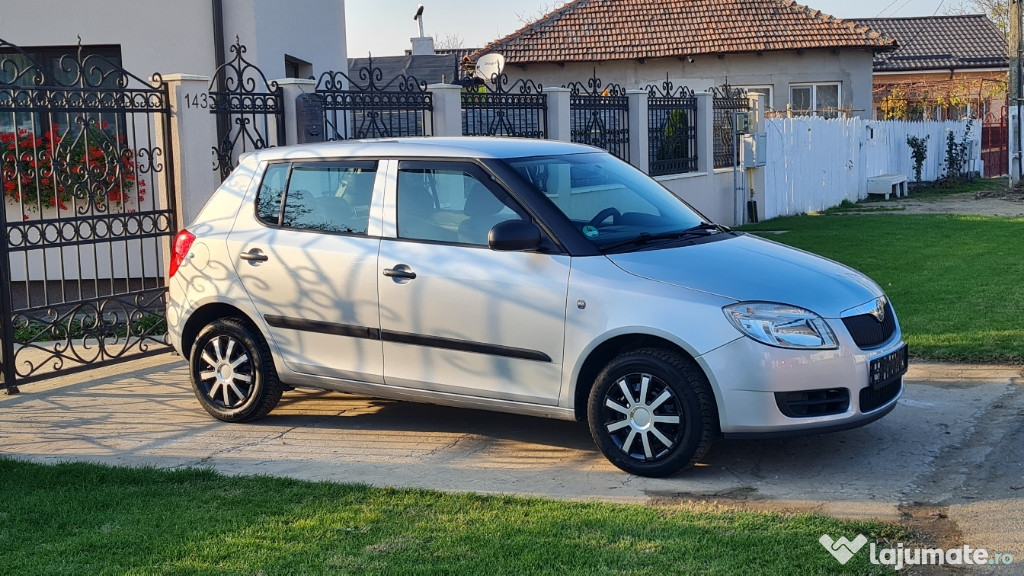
{"points": [[748, 268]]}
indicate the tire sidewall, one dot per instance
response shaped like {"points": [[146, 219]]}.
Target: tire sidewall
{"points": [[238, 332], [670, 369]]}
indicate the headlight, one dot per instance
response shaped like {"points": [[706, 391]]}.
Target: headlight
{"points": [[781, 325]]}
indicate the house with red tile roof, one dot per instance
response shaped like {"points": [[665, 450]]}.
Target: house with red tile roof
{"points": [[946, 67], [801, 58]]}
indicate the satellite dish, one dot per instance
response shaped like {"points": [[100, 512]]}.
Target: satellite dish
{"points": [[489, 65]]}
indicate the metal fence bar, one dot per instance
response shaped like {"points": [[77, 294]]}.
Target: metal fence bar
{"points": [[727, 101], [519, 110], [370, 108], [672, 129]]}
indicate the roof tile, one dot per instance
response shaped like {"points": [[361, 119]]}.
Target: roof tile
{"points": [[940, 43], [587, 30]]}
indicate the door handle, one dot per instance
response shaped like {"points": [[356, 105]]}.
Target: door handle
{"points": [[254, 256], [400, 272]]}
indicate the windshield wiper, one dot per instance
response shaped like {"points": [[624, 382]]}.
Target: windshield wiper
{"points": [[702, 229]]}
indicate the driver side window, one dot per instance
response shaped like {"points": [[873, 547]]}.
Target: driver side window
{"points": [[448, 204]]}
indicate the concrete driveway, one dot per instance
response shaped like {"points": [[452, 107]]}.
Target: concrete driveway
{"points": [[953, 444]]}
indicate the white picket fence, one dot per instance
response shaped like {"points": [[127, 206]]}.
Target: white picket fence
{"points": [[814, 163]]}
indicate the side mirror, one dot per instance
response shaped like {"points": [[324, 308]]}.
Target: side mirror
{"points": [[514, 236]]}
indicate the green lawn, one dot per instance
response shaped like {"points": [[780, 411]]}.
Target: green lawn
{"points": [[88, 519], [955, 281]]}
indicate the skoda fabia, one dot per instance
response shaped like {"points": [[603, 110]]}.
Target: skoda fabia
{"points": [[526, 276]]}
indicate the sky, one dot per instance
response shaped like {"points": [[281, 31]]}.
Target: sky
{"points": [[384, 27]]}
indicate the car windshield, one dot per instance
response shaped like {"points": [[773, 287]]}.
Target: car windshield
{"points": [[606, 199]]}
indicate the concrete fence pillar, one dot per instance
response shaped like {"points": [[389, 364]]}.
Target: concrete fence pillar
{"points": [[757, 103], [639, 129], [559, 114], [193, 142], [705, 132], [447, 113], [292, 89]]}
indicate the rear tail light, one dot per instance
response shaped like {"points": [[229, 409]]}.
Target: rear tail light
{"points": [[182, 244]]}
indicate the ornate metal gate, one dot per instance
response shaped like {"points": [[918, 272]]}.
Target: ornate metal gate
{"points": [[727, 101], [373, 108], [249, 110], [519, 110], [87, 215], [600, 116]]}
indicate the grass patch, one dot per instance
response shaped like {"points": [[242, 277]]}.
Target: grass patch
{"points": [[938, 190], [88, 519], [955, 281], [33, 331]]}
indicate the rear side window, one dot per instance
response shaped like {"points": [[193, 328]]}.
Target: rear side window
{"points": [[318, 196]]}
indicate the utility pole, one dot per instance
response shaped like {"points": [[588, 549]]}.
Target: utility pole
{"points": [[1015, 89]]}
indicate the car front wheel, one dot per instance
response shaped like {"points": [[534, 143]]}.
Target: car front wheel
{"points": [[651, 412], [232, 372]]}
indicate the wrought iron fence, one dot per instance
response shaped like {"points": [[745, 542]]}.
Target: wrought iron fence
{"points": [[88, 197], [672, 129], [600, 116], [518, 110], [249, 110], [370, 108], [727, 101]]}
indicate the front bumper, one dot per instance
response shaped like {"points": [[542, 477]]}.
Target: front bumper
{"points": [[746, 375]]}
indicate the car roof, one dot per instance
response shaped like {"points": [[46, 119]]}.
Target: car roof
{"points": [[443, 147]]}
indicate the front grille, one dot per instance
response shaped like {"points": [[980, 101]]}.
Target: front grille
{"points": [[872, 398], [868, 332], [809, 403]]}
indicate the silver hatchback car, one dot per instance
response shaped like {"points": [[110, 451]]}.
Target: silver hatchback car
{"points": [[525, 276]]}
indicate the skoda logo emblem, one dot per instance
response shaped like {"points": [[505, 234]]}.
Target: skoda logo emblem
{"points": [[879, 311]]}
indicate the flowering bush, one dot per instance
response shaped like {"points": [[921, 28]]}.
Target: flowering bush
{"points": [[52, 169]]}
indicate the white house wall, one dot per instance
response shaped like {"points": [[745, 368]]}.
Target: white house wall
{"points": [[310, 30], [165, 37], [177, 37], [850, 67]]}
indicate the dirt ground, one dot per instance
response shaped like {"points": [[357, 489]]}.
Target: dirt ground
{"points": [[1003, 203]]}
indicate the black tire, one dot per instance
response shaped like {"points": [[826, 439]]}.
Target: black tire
{"points": [[648, 434], [233, 373]]}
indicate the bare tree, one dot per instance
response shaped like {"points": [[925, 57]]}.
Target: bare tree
{"points": [[448, 42], [996, 10], [541, 11]]}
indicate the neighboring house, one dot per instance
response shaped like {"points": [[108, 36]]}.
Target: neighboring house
{"points": [[426, 69], [800, 58], [284, 39], [946, 67]]}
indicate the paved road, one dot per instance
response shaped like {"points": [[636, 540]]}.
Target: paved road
{"points": [[954, 441]]}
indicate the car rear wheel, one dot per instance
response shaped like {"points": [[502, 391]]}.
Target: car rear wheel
{"points": [[233, 373], [651, 412]]}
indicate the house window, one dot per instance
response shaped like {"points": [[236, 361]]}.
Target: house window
{"points": [[296, 68], [94, 67], [815, 99], [766, 90]]}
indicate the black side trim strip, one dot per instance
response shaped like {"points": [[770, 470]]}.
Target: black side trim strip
{"points": [[405, 338], [464, 346], [323, 327]]}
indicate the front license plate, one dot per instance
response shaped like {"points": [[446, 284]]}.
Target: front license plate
{"points": [[884, 370]]}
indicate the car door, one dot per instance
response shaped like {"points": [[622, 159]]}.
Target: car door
{"points": [[307, 257], [456, 316]]}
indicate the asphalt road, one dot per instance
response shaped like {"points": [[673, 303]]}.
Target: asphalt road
{"points": [[954, 443]]}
